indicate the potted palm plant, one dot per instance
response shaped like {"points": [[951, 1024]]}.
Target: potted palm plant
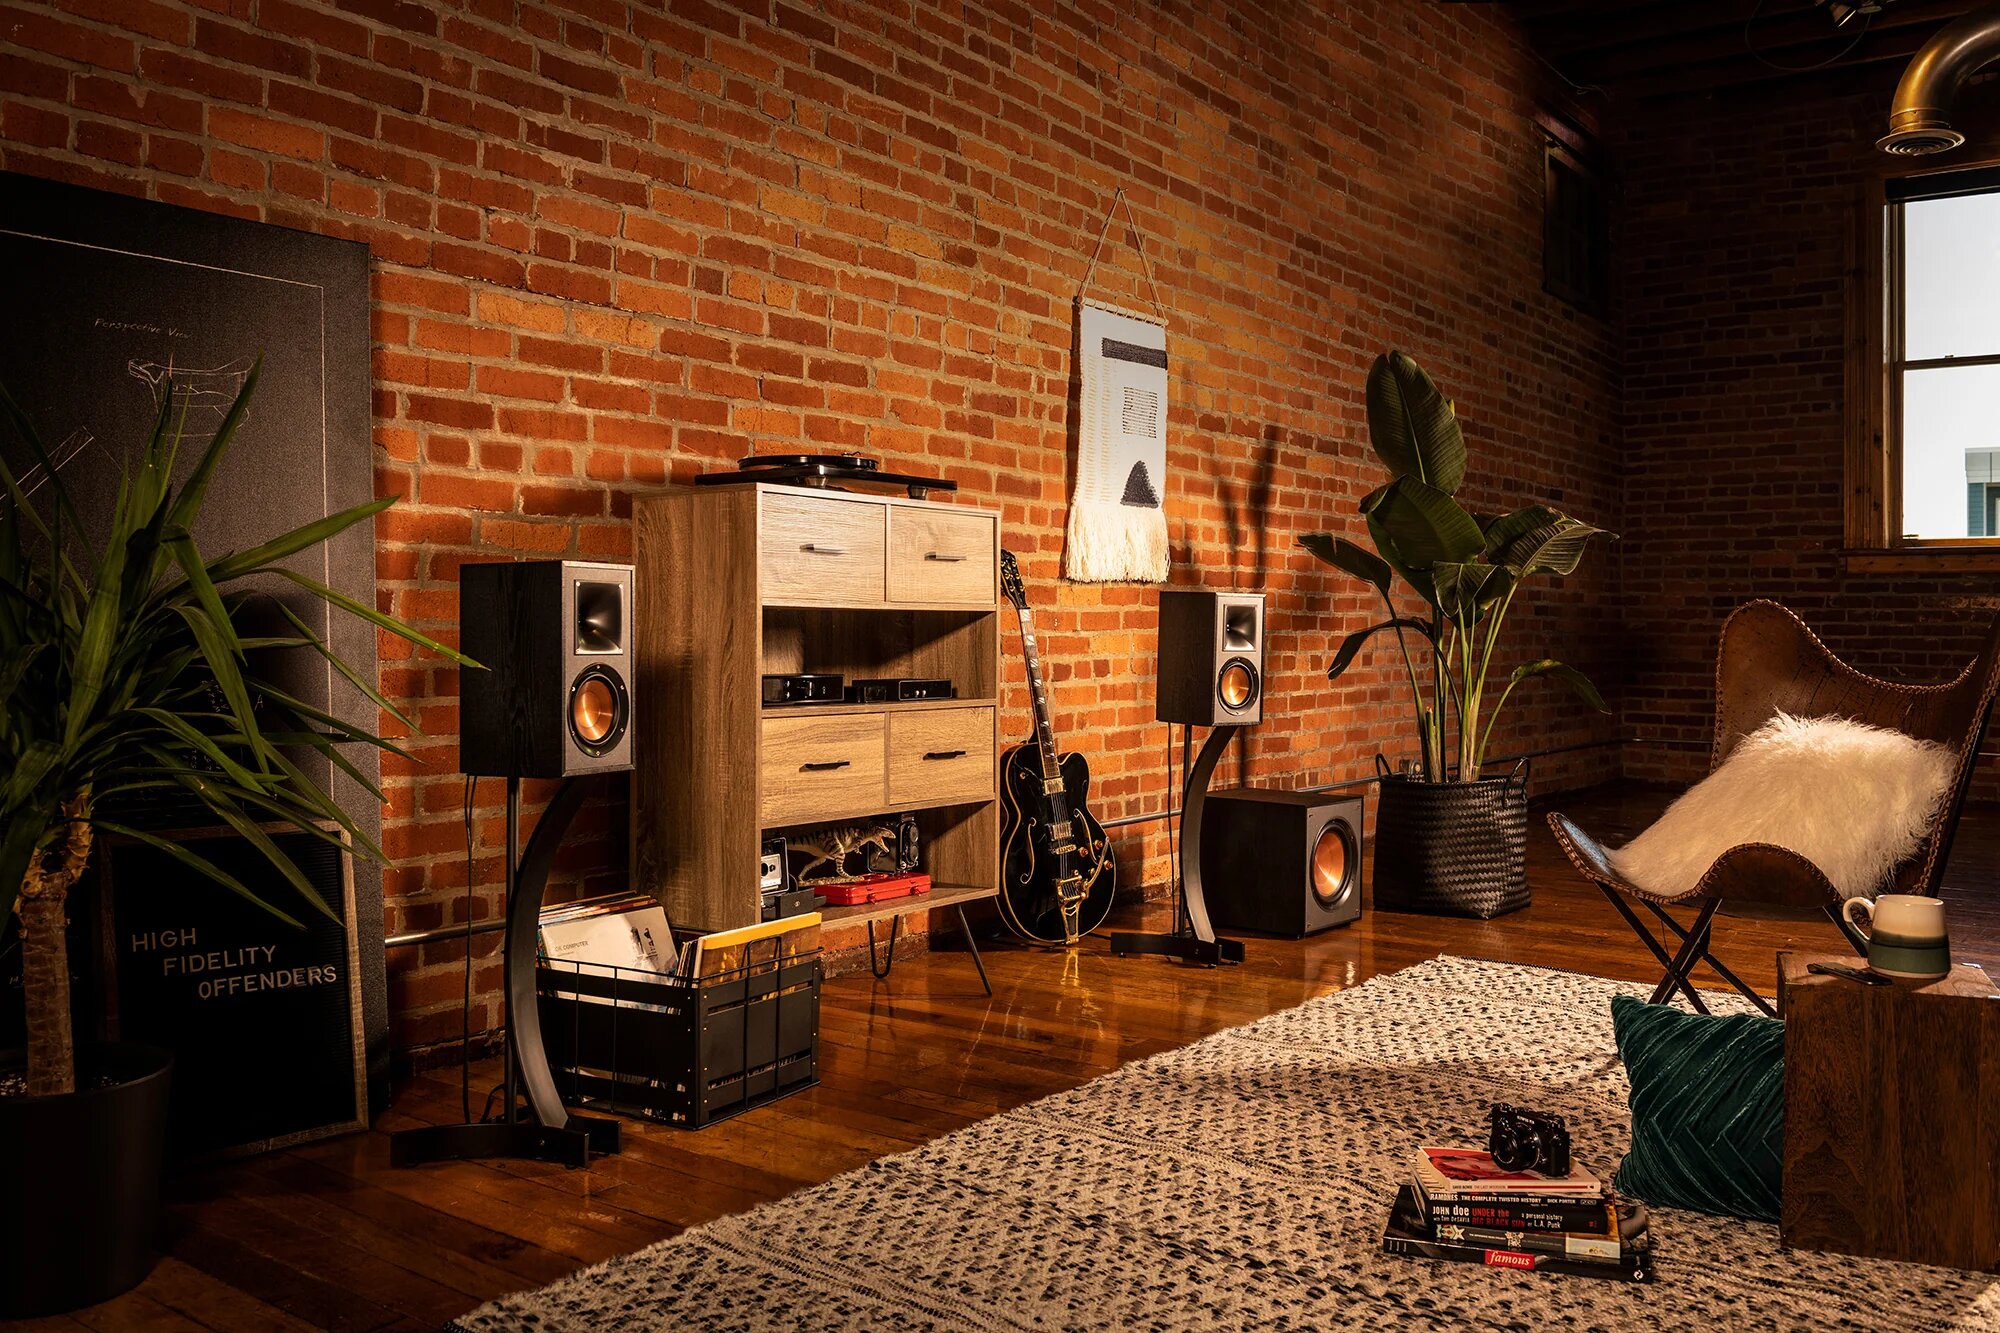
{"points": [[1447, 838], [124, 678]]}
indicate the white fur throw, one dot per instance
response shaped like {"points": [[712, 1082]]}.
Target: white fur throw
{"points": [[1854, 800]]}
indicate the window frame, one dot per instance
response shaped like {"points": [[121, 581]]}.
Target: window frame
{"points": [[1875, 369]]}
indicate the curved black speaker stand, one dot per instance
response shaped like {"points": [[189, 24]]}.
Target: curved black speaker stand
{"points": [[547, 1132], [1201, 946]]}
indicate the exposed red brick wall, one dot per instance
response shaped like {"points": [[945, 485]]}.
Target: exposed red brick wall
{"points": [[1739, 225], [617, 244]]}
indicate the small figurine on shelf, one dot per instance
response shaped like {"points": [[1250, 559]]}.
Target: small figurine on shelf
{"points": [[884, 848], [831, 846]]}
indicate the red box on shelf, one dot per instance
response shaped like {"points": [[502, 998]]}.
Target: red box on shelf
{"points": [[869, 888]]}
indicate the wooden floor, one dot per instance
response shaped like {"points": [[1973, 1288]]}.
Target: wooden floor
{"points": [[330, 1236]]}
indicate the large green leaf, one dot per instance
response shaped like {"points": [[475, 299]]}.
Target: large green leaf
{"points": [[1345, 556], [1412, 426], [1352, 644], [1540, 540], [1578, 683], [1465, 588], [1424, 525]]}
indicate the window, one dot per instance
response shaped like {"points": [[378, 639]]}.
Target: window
{"points": [[1575, 232], [1942, 357]]}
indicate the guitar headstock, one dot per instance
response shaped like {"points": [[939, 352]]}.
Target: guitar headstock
{"points": [[1010, 581]]}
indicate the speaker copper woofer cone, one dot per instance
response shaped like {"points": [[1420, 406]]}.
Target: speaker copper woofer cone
{"points": [[598, 710], [1332, 861], [1237, 685]]}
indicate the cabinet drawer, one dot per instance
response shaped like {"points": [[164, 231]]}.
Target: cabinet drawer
{"points": [[813, 549], [941, 756], [818, 768], [937, 555]]}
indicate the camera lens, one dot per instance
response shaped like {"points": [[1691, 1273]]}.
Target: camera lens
{"points": [[1508, 1150]]}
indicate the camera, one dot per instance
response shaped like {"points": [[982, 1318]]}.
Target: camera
{"points": [[1524, 1140]]}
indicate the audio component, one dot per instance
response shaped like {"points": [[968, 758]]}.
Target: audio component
{"points": [[899, 689], [555, 638], [1211, 671], [799, 688], [771, 874], [1281, 862]]}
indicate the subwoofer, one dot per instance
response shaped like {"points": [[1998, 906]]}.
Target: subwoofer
{"points": [[555, 699], [1211, 671], [1281, 862]]}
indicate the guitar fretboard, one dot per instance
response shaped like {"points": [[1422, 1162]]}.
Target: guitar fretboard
{"points": [[1045, 732]]}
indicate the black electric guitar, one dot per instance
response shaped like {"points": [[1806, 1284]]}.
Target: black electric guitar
{"points": [[1056, 870]]}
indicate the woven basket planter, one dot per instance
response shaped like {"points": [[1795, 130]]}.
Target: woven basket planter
{"points": [[1452, 848]]}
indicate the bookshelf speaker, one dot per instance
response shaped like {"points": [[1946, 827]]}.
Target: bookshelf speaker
{"points": [[555, 699], [1211, 670]]}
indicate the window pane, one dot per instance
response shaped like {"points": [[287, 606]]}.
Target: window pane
{"points": [[1951, 277], [1951, 451]]}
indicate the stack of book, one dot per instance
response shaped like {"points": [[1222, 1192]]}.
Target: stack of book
{"points": [[1460, 1206]]}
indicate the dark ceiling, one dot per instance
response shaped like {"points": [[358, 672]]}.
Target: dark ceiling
{"points": [[1655, 48]]}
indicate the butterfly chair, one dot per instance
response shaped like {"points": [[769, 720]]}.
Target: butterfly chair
{"points": [[1769, 662]]}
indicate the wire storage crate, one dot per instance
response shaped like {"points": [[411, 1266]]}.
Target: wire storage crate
{"points": [[675, 1049]]}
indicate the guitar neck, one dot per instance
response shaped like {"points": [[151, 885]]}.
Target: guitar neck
{"points": [[1045, 732]]}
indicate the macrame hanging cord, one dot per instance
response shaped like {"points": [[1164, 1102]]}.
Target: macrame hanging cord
{"points": [[1117, 528]]}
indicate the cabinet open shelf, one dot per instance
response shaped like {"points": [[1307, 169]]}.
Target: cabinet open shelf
{"points": [[940, 896]]}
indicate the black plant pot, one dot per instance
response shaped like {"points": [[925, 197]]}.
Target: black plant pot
{"points": [[80, 1193], [1452, 848]]}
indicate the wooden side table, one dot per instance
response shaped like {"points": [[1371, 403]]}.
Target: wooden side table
{"points": [[1892, 1115]]}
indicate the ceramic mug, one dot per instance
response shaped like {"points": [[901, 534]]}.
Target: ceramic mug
{"points": [[1905, 933]]}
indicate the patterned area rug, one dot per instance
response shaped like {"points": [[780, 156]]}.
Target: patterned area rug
{"points": [[1241, 1183]]}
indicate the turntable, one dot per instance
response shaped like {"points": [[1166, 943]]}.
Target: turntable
{"points": [[824, 471]]}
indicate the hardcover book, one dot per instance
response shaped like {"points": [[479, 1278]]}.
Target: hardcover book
{"points": [[1587, 1216], [1471, 1173]]}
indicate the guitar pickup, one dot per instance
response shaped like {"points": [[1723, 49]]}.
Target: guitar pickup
{"points": [[1060, 831], [1053, 787]]}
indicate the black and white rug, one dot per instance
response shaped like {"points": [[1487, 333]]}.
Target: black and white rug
{"points": [[1242, 1183]]}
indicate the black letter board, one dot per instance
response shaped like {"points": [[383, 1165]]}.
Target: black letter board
{"points": [[264, 1019]]}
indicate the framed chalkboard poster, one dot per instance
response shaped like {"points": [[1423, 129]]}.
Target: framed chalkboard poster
{"points": [[263, 1018], [115, 304]]}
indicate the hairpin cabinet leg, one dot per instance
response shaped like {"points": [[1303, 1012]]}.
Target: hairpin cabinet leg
{"points": [[881, 969], [973, 945]]}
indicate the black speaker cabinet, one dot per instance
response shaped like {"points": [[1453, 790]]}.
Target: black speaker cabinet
{"points": [[1281, 862], [555, 699], [1211, 657]]}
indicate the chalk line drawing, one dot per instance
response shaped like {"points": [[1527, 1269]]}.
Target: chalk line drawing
{"points": [[201, 397]]}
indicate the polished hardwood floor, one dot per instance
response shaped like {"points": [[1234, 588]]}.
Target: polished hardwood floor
{"points": [[330, 1236]]}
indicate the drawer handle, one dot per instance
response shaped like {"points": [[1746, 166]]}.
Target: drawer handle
{"points": [[943, 558], [945, 754], [824, 767], [821, 548]]}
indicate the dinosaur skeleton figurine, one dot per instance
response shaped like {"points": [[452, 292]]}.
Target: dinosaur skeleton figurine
{"points": [[832, 846]]}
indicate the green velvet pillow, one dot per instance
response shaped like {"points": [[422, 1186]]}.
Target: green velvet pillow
{"points": [[1708, 1109]]}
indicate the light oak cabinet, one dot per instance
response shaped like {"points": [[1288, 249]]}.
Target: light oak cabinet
{"points": [[738, 582]]}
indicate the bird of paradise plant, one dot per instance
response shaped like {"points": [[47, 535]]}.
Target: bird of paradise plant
{"points": [[1466, 568]]}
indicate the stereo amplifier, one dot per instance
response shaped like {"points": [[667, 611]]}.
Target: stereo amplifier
{"points": [[802, 689], [899, 689]]}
